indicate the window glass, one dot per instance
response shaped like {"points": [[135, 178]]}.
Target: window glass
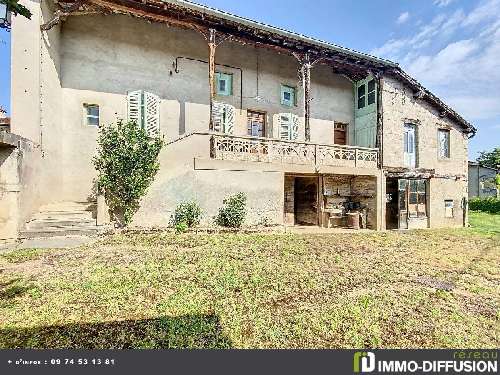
{"points": [[287, 95], [448, 208], [92, 114], [444, 143], [361, 96], [371, 92], [224, 83]]}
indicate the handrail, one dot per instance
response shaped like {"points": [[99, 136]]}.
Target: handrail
{"points": [[248, 137]]}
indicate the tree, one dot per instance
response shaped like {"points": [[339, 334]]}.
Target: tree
{"points": [[16, 8], [126, 162], [490, 158]]}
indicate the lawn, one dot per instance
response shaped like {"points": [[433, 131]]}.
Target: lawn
{"points": [[431, 288]]}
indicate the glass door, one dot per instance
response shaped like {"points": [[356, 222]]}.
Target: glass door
{"points": [[403, 204]]}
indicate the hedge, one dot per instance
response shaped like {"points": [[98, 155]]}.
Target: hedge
{"points": [[487, 204]]}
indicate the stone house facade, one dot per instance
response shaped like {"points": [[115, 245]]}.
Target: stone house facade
{"points": [[312, 133]]}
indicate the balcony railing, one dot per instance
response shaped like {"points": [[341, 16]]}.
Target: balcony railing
{"points": [[239, 148]]}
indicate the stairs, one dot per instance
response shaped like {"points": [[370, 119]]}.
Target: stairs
{"points": [[64, 219]]}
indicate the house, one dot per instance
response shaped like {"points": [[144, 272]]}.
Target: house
{"points": [[4, 120], [482, 180], [312, 132]]}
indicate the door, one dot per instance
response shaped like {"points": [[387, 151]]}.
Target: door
{"points": [[403, 204], [256, 124], [306, 200], [409, 145], [339, 134]]}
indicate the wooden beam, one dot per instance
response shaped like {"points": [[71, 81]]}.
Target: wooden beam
{"points": [[306, 63]]}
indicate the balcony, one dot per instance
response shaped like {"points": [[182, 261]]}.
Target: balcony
{"points": [[266, 150]]}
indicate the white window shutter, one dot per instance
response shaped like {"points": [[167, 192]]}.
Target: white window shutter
{"points": [[134, 106], [229, 118], [294, 131], [285, 125], [217, 116], [152, 114], [223, 117]]}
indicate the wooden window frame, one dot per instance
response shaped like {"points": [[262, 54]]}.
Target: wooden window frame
{"points": [[264, 124], [336, 126], [228, 78], [288, 103]]}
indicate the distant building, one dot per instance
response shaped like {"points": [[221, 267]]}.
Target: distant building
{"points": [[4, 120], [482, 181]]}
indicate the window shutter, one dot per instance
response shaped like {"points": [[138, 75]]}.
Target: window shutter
{"points": [[223, 117], [285, 123], [217, 116], [134, 106], [152, 114], [229, 118], [294, 134]]}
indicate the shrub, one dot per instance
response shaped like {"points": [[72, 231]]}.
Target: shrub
{"points": [[126, 162], [233, 211], [188, 213], [486, 204], [181, 227]]}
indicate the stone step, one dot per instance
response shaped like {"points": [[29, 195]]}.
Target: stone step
{"points": [[68, 231], [36, 224], [68, 206]]}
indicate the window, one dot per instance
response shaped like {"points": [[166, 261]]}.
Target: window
{"points": [[143, 108], [224, 83], [444, 143], [371, 92], [417, 206], [256, 123], [409, 146], [288, 95], [361, 96], [92, 114], [448, 208]]}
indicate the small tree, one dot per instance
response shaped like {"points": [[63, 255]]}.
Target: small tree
{"points": [[126, 162], [233, 211], [490, 158]]}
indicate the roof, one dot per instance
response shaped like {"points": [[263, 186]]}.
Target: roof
{"points": [[186, 14], [477, 164]]}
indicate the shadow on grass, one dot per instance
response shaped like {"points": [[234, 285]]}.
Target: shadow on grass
{"points": [[188, 331]]}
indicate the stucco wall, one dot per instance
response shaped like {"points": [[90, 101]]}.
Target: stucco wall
{"points": [[443, 189], [400, 107], [482, 182], [177, 181]]}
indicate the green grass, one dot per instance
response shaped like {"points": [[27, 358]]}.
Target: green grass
{"points": [[161, 290], [22, 255], [485, 223]]}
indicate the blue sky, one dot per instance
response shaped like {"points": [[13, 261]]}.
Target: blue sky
{"points": [[451, 46]]}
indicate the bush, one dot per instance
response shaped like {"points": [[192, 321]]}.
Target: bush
{"points": [[126, 162], [233, 211], [188, 213], [181, 227], [487, 204]]}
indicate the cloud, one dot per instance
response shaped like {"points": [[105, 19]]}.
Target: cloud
{"points": [[442, 3], [403, 17], [456, 56]]}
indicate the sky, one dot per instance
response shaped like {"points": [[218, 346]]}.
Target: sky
{"points": [[452, 47]]}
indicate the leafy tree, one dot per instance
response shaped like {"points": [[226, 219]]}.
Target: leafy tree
{"points": [[490, 158], [127, 162], [16, 8]]}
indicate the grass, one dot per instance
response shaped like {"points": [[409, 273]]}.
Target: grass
{"points": [[485, 223], [430, 288]]}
